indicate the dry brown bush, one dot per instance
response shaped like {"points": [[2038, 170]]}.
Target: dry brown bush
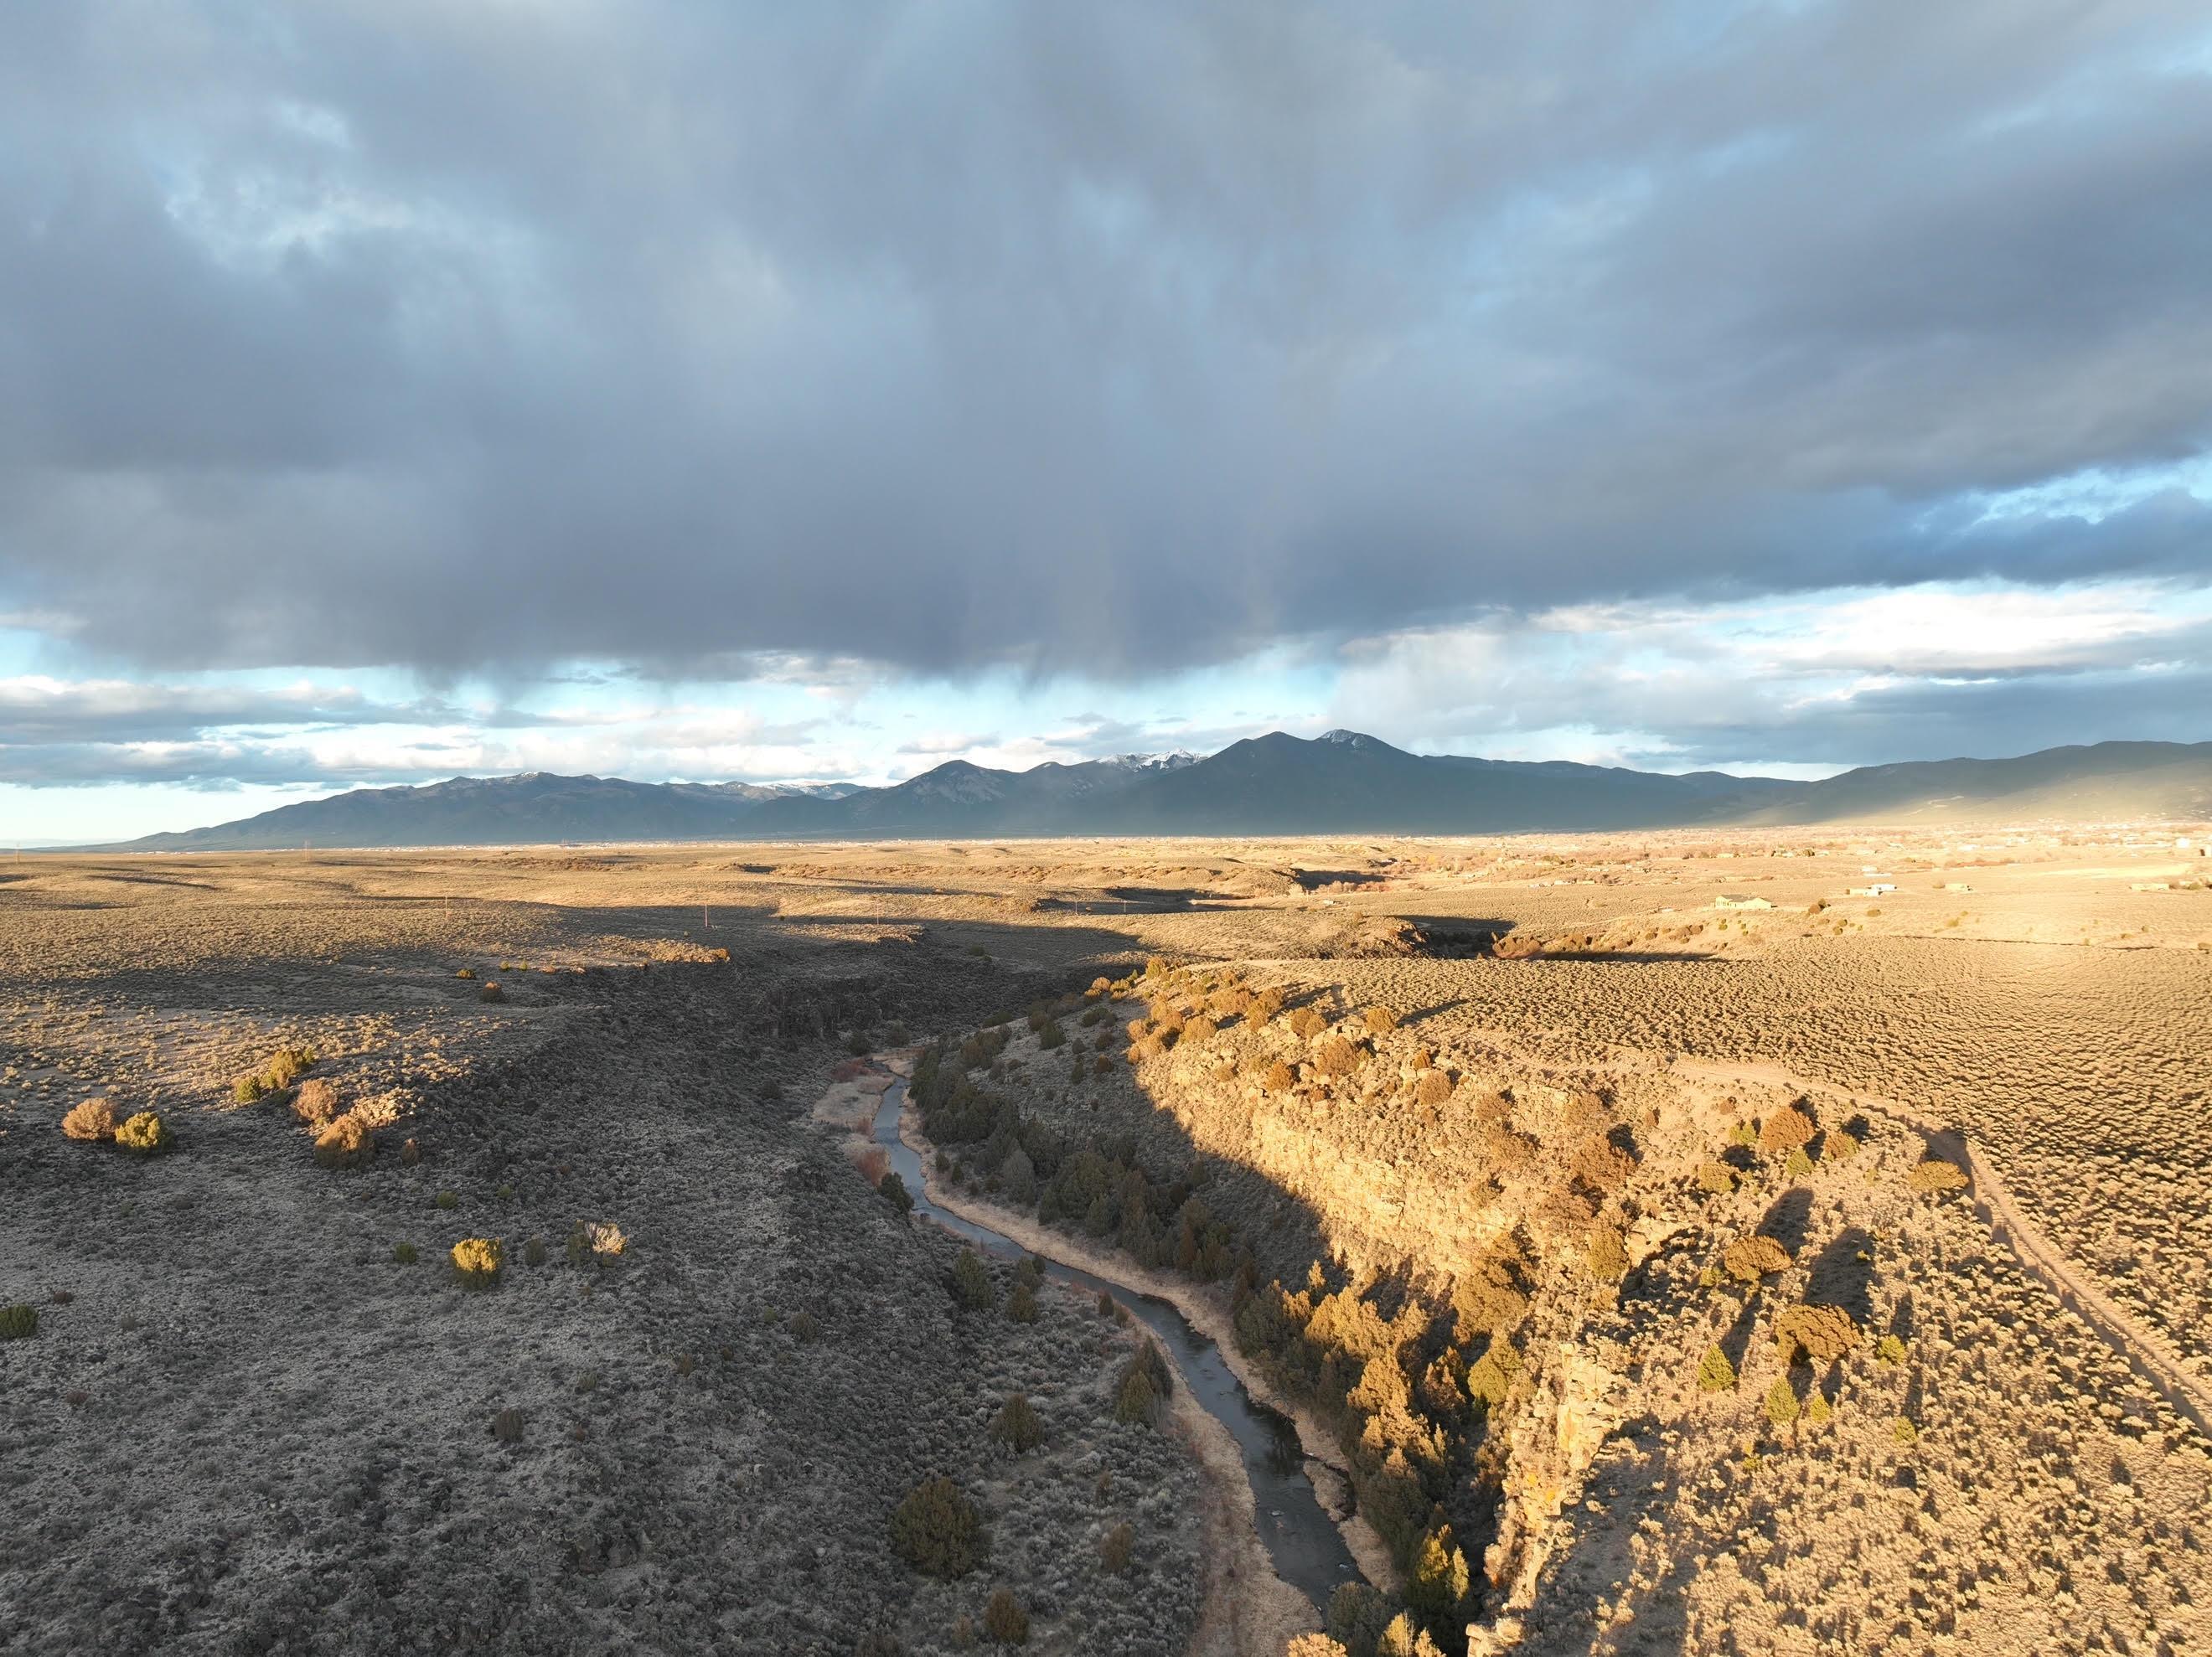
{"points": [[345, 1142], [1508, 1150], [1380, 1020], [1265, 1005], [1117, 1547], [316, 1103], [1433, 1089], [1603, 1163], [1231, 1002], [1566, 1213], [871, 1162], [1786, 1130], [1749, 1258], [1822, 1333], [91, 1120], [1004, 1620], [1493, 1107], [1336, 1057], [1277, 1077], [1585, 1113], [1201, 1028], [1306, 1024]]}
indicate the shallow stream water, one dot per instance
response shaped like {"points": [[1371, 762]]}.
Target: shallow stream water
{"points": [[1308, 1550]]}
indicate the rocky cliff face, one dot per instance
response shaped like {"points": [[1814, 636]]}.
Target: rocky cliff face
{"points": [[1642, 1346]]}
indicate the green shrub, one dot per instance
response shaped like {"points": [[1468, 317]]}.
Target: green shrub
{"points": [[144, 1135], [1607, 1257], [1716, 1373], [533, 1251], [1490, 1377], [1904, 1432], [1438, 1583], [1142, 1393], [1838, 1147], [1934, 1175], [1799, 1164], [448, 1201], [1021, 1304], [937, 1531], [805, 1327], [404, 1253], [894, 1191], [1404, 1637], [1004, 1620], [1890, 1349], [1781, 1404], [1717, 1178], [18, 1322], [1052, 1036], [971, 1283], [247, 1089], [1018, 1425], [1356, 1616], [477, 1261]]}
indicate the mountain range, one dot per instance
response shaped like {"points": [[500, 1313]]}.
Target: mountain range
{"points": [[1342, 782]]}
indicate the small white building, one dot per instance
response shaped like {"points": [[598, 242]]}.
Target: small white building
{"points": [[1879, 889], [1738, 901]]}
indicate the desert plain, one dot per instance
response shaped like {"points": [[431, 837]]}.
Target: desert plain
{"points": [[1763, 1241]]}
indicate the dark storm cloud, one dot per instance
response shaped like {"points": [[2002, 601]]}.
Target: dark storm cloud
{"points": [[1111, 338]]}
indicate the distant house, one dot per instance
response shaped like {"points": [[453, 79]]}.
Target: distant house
{"points": [[1879, 889], [1738, 901]]}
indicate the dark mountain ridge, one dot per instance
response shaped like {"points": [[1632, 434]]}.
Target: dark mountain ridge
{"points": [[1343, 782]]}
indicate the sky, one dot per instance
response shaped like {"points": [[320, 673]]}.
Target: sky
{"points": [[395, 390]]}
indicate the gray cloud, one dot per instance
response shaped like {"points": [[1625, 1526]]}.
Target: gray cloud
{"points": [[1118, 338]]}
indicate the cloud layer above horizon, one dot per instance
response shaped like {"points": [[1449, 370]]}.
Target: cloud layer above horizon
{"points": [[404, 367]]}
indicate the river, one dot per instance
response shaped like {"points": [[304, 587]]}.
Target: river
{"points": [[1303, 1541]]}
